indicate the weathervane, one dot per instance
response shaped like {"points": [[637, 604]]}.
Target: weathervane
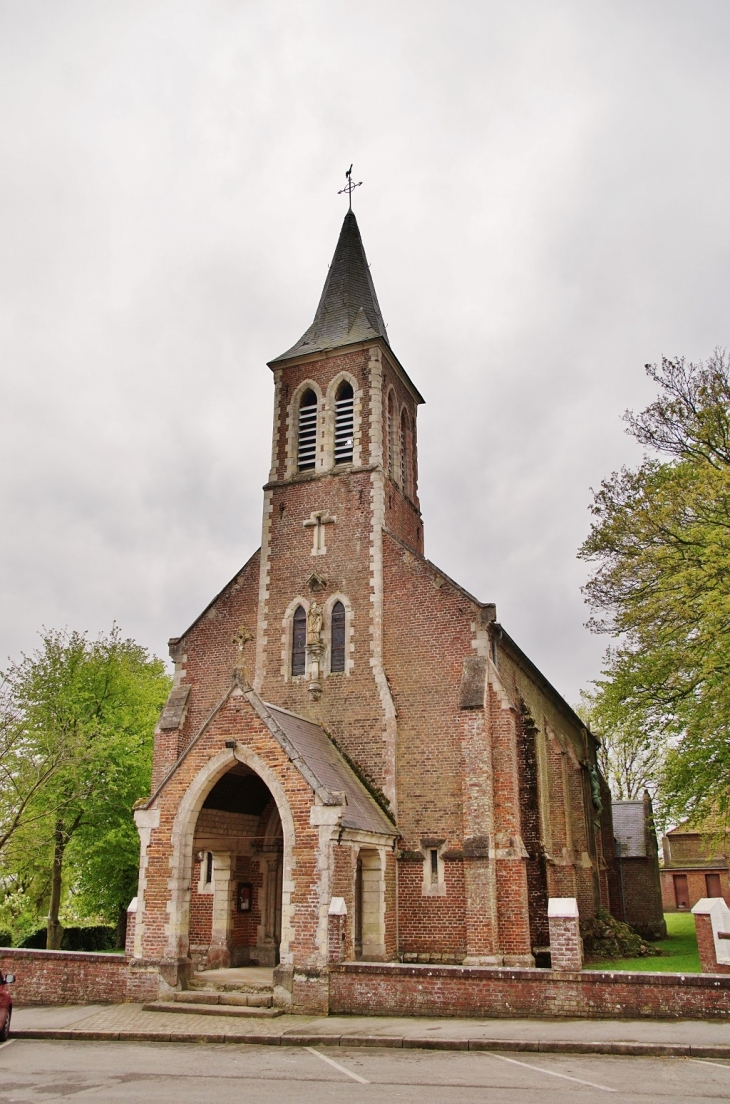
{"points": [[350, 186]]}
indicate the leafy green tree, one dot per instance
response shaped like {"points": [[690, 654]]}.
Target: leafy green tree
{"points": [[87, 709], [661, 542], [630, 757]]}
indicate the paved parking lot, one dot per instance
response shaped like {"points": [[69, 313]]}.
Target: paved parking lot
{"points": [[127, 1073]]}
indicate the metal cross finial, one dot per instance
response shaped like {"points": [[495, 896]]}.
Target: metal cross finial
{"points": [[350, 186]]}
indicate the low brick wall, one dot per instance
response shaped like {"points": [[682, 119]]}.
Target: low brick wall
{"points": [[65, 977], [392, 989]]}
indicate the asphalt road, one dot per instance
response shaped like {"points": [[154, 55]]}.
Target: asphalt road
{"points": [[189, 1073]]}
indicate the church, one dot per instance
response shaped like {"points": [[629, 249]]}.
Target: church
{"points": [[357, 763]]}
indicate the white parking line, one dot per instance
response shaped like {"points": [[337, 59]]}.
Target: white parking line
{"points": [[704, 1062], [552, 1073], [354, 1076], [6, 1044]]}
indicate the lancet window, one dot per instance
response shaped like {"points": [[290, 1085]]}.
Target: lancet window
{"points": [[344, 423], [299, 642], [307, 439], [337, 646], [404, 457], [391, 436]]}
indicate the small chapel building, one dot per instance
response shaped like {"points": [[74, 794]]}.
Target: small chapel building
{"points": [[351, 734]]}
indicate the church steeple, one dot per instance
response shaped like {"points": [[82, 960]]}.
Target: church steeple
{"points": [[348, 310]]}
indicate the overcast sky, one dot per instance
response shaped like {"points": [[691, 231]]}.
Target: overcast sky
{"points": [[544, 208]]}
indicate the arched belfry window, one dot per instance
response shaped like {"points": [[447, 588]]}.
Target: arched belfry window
{"points": [[299, 642], [404, 457], [337, 647], [307, 439], [344, 424], [391, 436]]}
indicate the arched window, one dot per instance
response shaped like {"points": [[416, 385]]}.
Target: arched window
{"points": [[344, 424], [299, 642], [337, 649], [391, 436], [404, 473], [307, 439]]}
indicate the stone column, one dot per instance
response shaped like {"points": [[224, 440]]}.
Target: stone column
{"points": [[219, 953], [566, 945], [712, 923]]}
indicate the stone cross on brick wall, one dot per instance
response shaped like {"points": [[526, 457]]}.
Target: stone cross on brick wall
{"points": [[317, 521]]}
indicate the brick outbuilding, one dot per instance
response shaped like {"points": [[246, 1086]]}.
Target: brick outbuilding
{"points": [[349, 723], [695, 866]]}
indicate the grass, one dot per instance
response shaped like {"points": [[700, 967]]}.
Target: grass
{"points": [[680, 947]]}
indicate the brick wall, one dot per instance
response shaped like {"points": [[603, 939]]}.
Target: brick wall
{"points": [[696, 885], [65, 977], [399, 990], [642, 899]]}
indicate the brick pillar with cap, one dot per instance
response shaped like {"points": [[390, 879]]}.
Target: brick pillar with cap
{"points": [[566, 945], [712, 924], [337, 917]]}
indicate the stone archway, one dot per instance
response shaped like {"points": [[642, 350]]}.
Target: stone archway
{"points": [[188, 863], [236, 883]]}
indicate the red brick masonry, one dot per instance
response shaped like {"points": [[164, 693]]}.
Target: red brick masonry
{"points": [[65, 977], [392, 989]]}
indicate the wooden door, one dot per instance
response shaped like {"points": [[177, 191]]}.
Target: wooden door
{"points": [[712, 881], [681, 891]]}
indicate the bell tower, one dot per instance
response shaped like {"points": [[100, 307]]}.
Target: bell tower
{"points": [[343, 469]]}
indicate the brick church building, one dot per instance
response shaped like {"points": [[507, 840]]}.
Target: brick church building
{"points": [[350, 731]]}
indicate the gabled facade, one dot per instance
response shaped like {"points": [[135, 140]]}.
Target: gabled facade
{"points": [[348, 722]]}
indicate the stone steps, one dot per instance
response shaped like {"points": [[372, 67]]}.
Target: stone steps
{"points": [[191, 1008], [203, 982], [215, 996]]}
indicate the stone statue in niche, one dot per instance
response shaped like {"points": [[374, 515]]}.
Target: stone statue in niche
{"points": [[315, 623]]}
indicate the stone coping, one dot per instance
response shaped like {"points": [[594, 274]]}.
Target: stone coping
{"points": [[520, 973], [74, 956]]}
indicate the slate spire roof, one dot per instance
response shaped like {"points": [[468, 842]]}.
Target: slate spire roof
{"points": [[348, 310]]}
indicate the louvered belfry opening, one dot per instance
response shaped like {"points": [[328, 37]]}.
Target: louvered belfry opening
{"points": [[404, 452], [391, 436], [299, 642], [307, 443], [337, 652], [344, 423]]}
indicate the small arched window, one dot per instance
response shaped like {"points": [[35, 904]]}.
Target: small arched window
{"points": [[337, 648], [391, 436], [299, 642], [404, 473], [344, 423], [307, 431]]}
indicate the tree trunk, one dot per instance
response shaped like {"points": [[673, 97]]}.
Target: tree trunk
{"points": [[54, 930]]}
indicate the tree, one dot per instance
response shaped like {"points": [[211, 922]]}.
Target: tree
{"points": [[84, 713], [661, 541], [630, 757]]}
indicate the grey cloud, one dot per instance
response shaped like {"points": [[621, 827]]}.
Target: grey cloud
{"points": [[544, 209]]}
